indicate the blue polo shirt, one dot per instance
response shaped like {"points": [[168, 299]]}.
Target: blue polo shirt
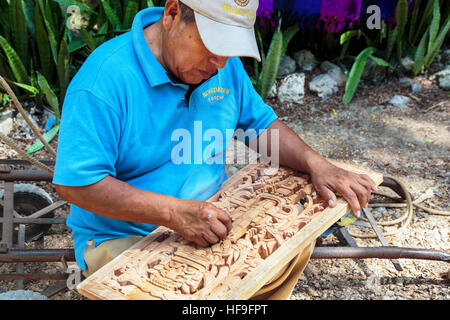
{"points": [[124, 117]]}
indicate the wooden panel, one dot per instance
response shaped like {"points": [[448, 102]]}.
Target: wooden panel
{"points": [[275, 214]]}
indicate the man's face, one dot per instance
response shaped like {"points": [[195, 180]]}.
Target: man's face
{"points": [[187, 57]]}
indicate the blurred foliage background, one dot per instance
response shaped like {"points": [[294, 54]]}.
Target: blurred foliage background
{"points": [[44, 42]]}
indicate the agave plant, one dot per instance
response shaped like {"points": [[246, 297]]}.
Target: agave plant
{"points": [[425, 19], [264, 80], [42, 43]]}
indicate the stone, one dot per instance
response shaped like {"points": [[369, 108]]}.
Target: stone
{"points": [[287, 66], [399, 101], [305, 60], [338, 76], [407, 63], [22, 295], [334, 71], [324, 85], [273, 91], [443, 78], [405, 82], [22, 123], [415, 87], [326, 66], [6, 122], [373, 72], [292, 88]]}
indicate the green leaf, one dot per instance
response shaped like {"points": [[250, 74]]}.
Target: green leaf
{"points": [[401, 16], [414, 16], [132, 8], [435, 22], [346, 36], [50, 32], [43, 46], [419, 57], [261, 46], [50, 96], [288, 34], [392, 38], [426, 16], [63, 71], [76, 44], [112, 17], [438, 43], [28, 10], [26, 87], [15, 64], [270, 67], [48, 136], [356, 72], [19, 31], [87, 37], [381, 62]]}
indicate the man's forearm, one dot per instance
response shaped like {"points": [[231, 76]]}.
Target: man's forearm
{"points": [[293, 151], [115, 199]]}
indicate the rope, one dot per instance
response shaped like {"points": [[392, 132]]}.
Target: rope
{"points": [[406, 218]]}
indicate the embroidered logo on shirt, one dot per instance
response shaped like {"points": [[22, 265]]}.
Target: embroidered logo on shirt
{"points": [[209, 94]]}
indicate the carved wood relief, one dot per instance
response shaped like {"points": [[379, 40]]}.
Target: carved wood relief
{"points": [[267, 210]]}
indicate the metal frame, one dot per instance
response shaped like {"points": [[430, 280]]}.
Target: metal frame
{"points": [[8, 254], [10, 218]]}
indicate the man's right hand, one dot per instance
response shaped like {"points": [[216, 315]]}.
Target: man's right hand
{"points": [[200, 222]]}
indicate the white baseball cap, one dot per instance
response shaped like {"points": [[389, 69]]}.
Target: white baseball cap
{"points": [[226, 26]]}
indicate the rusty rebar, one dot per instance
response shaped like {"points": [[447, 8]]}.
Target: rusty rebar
{"points": [[378, 253]]}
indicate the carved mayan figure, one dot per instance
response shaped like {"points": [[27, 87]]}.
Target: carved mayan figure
{"points": [[266, 209]]}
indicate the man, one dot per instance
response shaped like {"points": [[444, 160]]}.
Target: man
{"points": [[177, 68]]}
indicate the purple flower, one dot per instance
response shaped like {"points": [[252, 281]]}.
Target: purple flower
{"points": [[336, 13]]}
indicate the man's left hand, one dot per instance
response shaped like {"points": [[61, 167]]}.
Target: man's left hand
{"points": [[356, 189]]}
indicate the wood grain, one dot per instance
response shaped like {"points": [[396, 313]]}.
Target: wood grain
{"points": [[275, 213]]}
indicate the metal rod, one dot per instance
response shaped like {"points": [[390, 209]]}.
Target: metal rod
{"points": [[380, 236], [47, 209], [21, 246], [7, 227], [33, 276], [38, 255], [37, 220], [378, 253], [26, 175], [25, 162]]}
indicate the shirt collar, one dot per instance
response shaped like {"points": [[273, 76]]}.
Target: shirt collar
{"points": [[154, 71]]}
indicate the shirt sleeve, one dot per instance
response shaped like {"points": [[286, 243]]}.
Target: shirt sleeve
{"points": [[88, 141], [255, 114]]}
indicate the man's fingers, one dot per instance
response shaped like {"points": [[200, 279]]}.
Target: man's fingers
{"points": [[223, 217], [210, 237], [362, 193], [350, 196], [219, 229], [327, 195], [201, 242], [371, 184]]}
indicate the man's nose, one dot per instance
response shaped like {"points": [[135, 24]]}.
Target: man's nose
{"points": [[218, 61]]}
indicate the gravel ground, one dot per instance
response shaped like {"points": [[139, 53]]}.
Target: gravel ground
{"points": [[403, 142]]}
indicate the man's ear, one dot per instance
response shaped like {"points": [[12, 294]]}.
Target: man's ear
{"points": [[172, 14]]}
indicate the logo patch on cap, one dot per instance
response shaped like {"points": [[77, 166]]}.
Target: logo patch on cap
{"points": [[242, 3]]}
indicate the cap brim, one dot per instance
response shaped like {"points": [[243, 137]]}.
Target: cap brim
{"points": [[227, 40]]}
